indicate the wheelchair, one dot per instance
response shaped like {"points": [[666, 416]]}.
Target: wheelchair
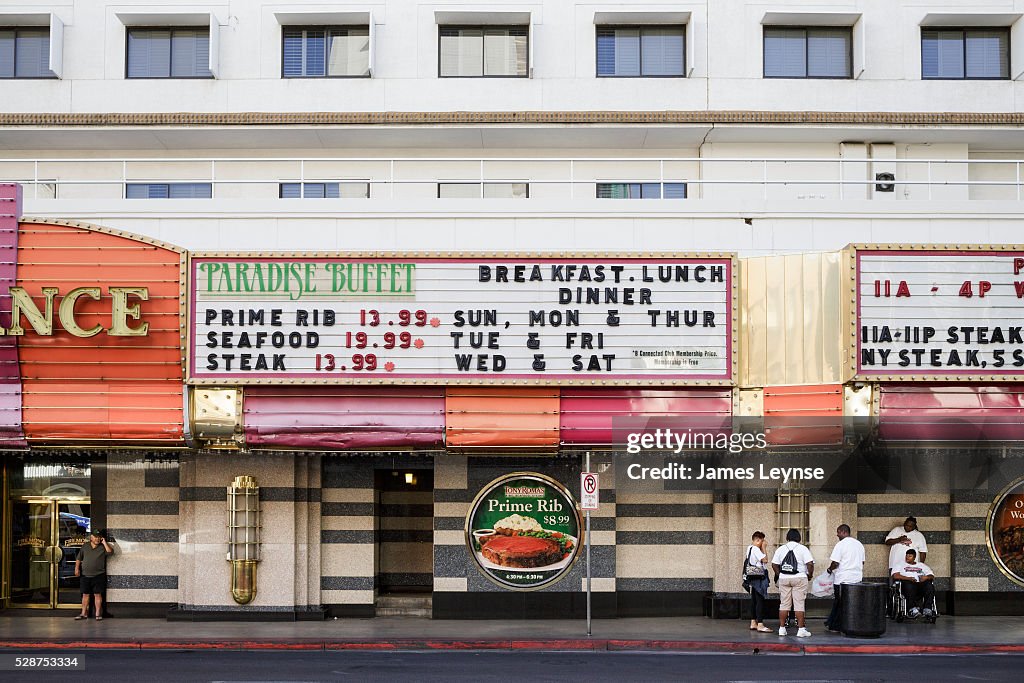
{"points": [[898, 606]]}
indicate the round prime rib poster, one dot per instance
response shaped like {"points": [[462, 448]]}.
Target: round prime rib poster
{"points": [[523, 531], [1006, 532]]}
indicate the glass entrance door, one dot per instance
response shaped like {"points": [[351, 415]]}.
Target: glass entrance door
{"points": [[45, 538]]}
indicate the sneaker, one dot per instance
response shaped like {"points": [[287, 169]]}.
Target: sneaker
{"points": [[803, 633], [783, 631], [914, 613]]}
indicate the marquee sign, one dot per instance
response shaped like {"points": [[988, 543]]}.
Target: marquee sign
{"points": [[938, 314], [398, 318]]}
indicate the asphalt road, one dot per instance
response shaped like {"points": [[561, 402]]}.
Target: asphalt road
{"points": [[557, 667]]}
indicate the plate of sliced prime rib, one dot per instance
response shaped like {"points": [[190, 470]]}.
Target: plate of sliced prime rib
{"points": [[546, 550]]}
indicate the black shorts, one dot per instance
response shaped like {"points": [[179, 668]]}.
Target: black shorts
{"points": [[94, 585]]}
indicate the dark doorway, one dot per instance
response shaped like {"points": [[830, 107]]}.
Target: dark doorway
{"points": [[405, 530]]}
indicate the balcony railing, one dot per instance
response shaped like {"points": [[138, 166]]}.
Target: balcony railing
{"points": [[553, 178]]}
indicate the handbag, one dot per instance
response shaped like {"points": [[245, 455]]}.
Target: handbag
{"points": [[753, 571]]}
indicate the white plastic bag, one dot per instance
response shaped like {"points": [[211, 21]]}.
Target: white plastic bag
{"points": [[821, 586]]}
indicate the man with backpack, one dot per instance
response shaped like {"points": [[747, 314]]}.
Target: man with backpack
{"points": [[794, 563]]}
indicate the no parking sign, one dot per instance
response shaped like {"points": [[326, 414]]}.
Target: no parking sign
{"points": [[589, 486]]}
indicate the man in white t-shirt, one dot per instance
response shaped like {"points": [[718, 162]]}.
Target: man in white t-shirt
{"points": [[917, 582], [847, 567], [796, 566], [903, 538]]}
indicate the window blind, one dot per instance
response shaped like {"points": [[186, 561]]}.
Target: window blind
{"points": [[627, 52], [504, 52], [314, 47], [785, 53], [169, 53], [149, 53], [942, 53], [190, 53], [6, 53], [672, 190], [987, 53], [828, 53], [479, 51], [349, 52], [32, 53], [168, 191], [462, 52], [662, 52]]}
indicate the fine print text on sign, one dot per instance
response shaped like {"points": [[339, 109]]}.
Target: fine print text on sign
{"points": [[543, 320], [939, 314]]}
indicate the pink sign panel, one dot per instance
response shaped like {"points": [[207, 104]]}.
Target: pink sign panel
{"points": [[11, 434], [344, 417]]}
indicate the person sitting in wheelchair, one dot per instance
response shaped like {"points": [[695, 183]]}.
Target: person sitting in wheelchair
{"points": [[916, 582]]}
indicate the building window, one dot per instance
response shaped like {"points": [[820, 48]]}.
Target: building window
{"points": [[641, 51], [641, 190], [325, 51], [497, 51], [169, 53], [168, 190], [483, 190], [808, 52], [345, 190], [25, 53], [978, 53]]}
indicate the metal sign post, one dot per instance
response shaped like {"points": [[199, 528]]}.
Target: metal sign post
{"points": [[588, 555], [589, 488]]}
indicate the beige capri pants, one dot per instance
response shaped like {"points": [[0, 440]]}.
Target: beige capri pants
{"points": [[793, 592]]}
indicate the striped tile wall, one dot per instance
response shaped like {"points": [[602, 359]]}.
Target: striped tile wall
{"points": [[406, 539], [347, 549], [973, 568], [452, 499], [738, 514], [664, 541], [142, 515], [289, 568], [879, 513]]}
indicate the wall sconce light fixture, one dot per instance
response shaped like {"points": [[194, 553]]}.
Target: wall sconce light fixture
{"points": [[243, 537]]}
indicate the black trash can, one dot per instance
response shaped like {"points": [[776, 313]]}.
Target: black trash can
{"points": [[863, 610]]}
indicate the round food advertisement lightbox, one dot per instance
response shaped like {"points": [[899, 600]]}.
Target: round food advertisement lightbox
{"points": [[1006, 532], [523, 531]]}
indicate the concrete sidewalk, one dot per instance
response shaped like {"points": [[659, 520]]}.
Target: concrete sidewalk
{"points": [[950, 635]]}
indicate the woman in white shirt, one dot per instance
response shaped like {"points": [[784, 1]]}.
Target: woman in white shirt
{"points": [[757, 585]]}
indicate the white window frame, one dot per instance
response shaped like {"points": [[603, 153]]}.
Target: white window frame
{"points": [[653, 19], [465, 18], [340, 19], [142, 18], [978, 20], [365, 182], [482, 187], [38, 19], [853, 20]]}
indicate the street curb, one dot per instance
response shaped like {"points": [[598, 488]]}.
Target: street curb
{"points": [[574, 645]]}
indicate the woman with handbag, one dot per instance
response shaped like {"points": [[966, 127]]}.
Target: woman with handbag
{"points": [[755, 579]]}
